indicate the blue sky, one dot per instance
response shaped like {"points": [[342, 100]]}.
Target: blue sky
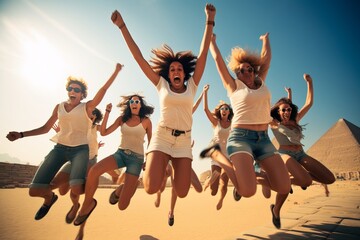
{"points": [[43, 42]]}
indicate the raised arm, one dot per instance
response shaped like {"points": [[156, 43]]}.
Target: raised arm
{"points": [[265, 56], [309, 98], [134, 49], [90, 105], [197, 103], [106, 131], [226, 78], [209, 115], [12, 136], [204, 47], [289, 92]]}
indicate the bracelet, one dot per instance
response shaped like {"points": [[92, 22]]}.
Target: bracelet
{"points": [[122, 25], [21, 134], [210, 23], [108, 110]]}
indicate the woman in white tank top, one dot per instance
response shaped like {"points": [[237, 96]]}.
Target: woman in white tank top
{"points": [[71, 142], [134, 123], [248, 140], [220, 120]]}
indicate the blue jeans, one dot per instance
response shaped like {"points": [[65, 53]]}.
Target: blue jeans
{"points": [[255, 143], [129, 159], [58, 156]]}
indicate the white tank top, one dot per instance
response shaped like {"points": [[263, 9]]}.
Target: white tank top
{"points": [[176, 108], [74, 126], [93, 142], [132, 138], [220, 136], [250, 106]]}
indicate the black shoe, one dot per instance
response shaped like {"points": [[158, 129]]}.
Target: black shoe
{"points": [[303, 188], [291, 191], [44, 209], [113, 199], [236, 195], [171, 220], [275, 220], [208, 151]]}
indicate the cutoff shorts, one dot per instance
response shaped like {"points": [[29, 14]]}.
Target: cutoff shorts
{"points": [[297, 155], [57, 157], [255, 143], [131, 160]]}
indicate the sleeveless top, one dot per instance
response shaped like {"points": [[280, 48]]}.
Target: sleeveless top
{"points": [[132, 138], [220, 136], [176, 108], [287, 136], [74, 126], [250, 106], [93, 142]]}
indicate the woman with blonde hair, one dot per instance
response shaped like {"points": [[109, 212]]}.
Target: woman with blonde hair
{"points": [[72, 143], [249, 140]]}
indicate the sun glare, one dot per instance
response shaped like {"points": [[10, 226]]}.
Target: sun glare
{"points": [[41, 60]]}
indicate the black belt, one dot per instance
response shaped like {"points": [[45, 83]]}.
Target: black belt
{"points": [[176, 132]]}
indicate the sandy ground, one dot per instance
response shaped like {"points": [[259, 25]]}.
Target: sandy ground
{"points": [[196, 217]]}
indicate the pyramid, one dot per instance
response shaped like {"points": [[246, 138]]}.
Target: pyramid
{"points": [[338, 149]]}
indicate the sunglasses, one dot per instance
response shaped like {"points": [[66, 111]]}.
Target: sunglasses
{"points": [[134, 101], [249, 70], [77, 90], [224, 109], [286, 109]]}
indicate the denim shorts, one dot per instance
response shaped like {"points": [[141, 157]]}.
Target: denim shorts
{"points": [[67, 167], [57, 157], [129, 159], [297, 155], [255, 143]]}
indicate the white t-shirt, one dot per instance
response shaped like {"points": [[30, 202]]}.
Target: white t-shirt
{"points": [[250, 106], [176, 108]]}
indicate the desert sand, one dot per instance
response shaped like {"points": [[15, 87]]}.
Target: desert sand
{"points": [[196, 217]]}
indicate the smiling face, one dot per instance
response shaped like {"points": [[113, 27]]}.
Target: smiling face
{"points": [[176, 75], [135, 105], [74, 92], [224, 111], [285, 112]]}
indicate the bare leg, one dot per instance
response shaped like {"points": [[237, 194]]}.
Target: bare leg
{"points": [[155, 169], [195, 182], [92, 182], [224, 179], [128, 190], [182, 176]]}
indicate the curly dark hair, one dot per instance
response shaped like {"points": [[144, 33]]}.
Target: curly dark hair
{"points": [[294, 112], [98, 114], [164, 56], [217, 111], [124, 105]]}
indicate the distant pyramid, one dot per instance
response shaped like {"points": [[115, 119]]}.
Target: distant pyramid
{"points": [[338, 149]]}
